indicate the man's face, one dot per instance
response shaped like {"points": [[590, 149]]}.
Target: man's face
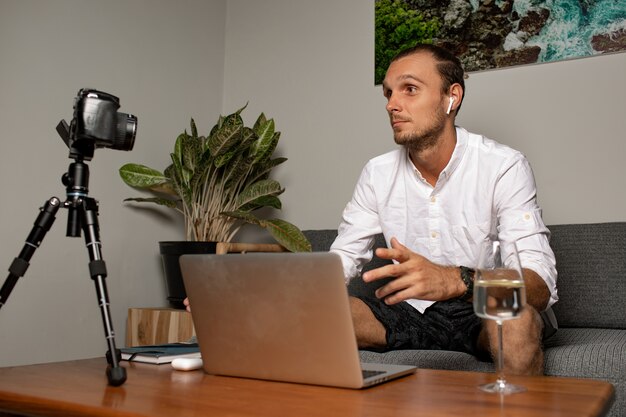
{"points": [[415, 103]]}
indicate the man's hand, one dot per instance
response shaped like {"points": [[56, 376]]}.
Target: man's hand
{"points": [[415, 277], [186, 304]]}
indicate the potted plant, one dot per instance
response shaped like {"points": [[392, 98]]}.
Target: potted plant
{"points": [[216, 182]]}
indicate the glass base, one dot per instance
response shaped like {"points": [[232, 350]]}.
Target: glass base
{"points": [[502, 387]]}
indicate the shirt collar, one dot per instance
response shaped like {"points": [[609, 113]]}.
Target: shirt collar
{"points": [[455, 159], [457, 154]]}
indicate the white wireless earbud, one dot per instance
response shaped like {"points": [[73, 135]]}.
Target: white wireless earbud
{"points": [[450, 105]]}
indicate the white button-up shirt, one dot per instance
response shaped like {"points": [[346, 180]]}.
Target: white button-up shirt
{"points": [[486, 191]]}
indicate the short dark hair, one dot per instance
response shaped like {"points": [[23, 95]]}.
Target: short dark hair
{"points": [[449, 66]]}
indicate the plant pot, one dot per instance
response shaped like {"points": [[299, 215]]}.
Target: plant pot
{"points": [[170, 252]]}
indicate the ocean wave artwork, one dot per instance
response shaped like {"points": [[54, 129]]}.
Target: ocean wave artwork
{"points": [[488, 34]]}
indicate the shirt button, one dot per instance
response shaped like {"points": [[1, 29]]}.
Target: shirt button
{"points": [[526, 216], [433, 199], [433, 235]]}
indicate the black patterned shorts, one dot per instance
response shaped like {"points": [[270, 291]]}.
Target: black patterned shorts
{"points": [[446, 325]]}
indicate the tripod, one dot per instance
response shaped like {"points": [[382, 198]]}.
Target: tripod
{"points": [[82, 214]]}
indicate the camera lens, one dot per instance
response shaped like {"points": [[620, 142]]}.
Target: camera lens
{"points": [[125, 132]]}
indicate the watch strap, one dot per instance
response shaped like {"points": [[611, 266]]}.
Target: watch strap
{"points": [[467, 276]]}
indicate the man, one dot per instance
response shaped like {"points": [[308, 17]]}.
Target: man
{"points": [[435, 199]]}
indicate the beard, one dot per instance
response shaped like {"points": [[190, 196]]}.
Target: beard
{"points": [[423, 138]]}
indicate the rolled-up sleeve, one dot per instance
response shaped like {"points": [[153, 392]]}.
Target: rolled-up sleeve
{"points": [[519, 219]]}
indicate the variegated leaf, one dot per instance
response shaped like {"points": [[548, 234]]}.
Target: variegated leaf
{"points": [[246, 217], [260, 121], [160, 201], [262, 170], [265, 141], [262, 201], [238, 170], [194, 129], [178, 146], [257, 190], [225, 138], [287, 235], [141, 176]]}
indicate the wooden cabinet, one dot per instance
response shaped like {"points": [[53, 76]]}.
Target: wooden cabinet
{"points": [[151, 326]]}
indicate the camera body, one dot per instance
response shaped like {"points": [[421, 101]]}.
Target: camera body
{"points": [[97, 124]]}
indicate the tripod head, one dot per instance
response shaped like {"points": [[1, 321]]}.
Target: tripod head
{"points": [[76, 181]]}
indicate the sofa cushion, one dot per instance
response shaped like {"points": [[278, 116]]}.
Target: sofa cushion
{"points": [[590, 353], [320, 239], [591, 263]]}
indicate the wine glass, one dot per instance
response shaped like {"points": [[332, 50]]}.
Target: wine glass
{"points": [[499, 294]]}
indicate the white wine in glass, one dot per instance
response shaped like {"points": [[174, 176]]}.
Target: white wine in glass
{"points": [[499, 295]]}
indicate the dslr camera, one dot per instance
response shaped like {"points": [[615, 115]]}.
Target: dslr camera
{"points": [[97, 124]]}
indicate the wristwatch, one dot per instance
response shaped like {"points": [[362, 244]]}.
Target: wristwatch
{"points": [[467, 276]]}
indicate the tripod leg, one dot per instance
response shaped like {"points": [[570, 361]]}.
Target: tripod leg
{"points": [[97, 269], [20, 264]]}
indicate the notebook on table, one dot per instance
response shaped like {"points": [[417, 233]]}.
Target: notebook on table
{"points": [[278, 316], [160, 354]]}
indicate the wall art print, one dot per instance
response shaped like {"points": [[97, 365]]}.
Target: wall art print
{"points": [[488, 34]]}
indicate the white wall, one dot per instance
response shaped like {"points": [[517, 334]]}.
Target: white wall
{"points": [[164, 60], [568, 118], [310, 65]]}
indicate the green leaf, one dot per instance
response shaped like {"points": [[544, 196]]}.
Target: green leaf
{"points": [[225, 158], [169, 172], [182, 179], [269, 149], [261, 120], [217, 126], [264, 146], [156, 200], [141, 176], [287, 235], [266, 130], [257, 190], [227, 136], [282, 231], [247, 138], [183, 174], [178, 146], [190, 149], [238, 170], [262, 170], [244, 216], [194, 129], [263, 201]]}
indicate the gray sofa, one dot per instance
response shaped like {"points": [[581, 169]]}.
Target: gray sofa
{"points": [[591, 340]]}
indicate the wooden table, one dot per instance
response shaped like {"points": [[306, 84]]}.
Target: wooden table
{"points": [[79, 388]]}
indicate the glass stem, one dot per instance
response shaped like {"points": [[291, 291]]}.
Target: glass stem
{"points": [[500, 369]]}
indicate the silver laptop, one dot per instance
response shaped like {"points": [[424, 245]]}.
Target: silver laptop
{"points": [[278, 316]]}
